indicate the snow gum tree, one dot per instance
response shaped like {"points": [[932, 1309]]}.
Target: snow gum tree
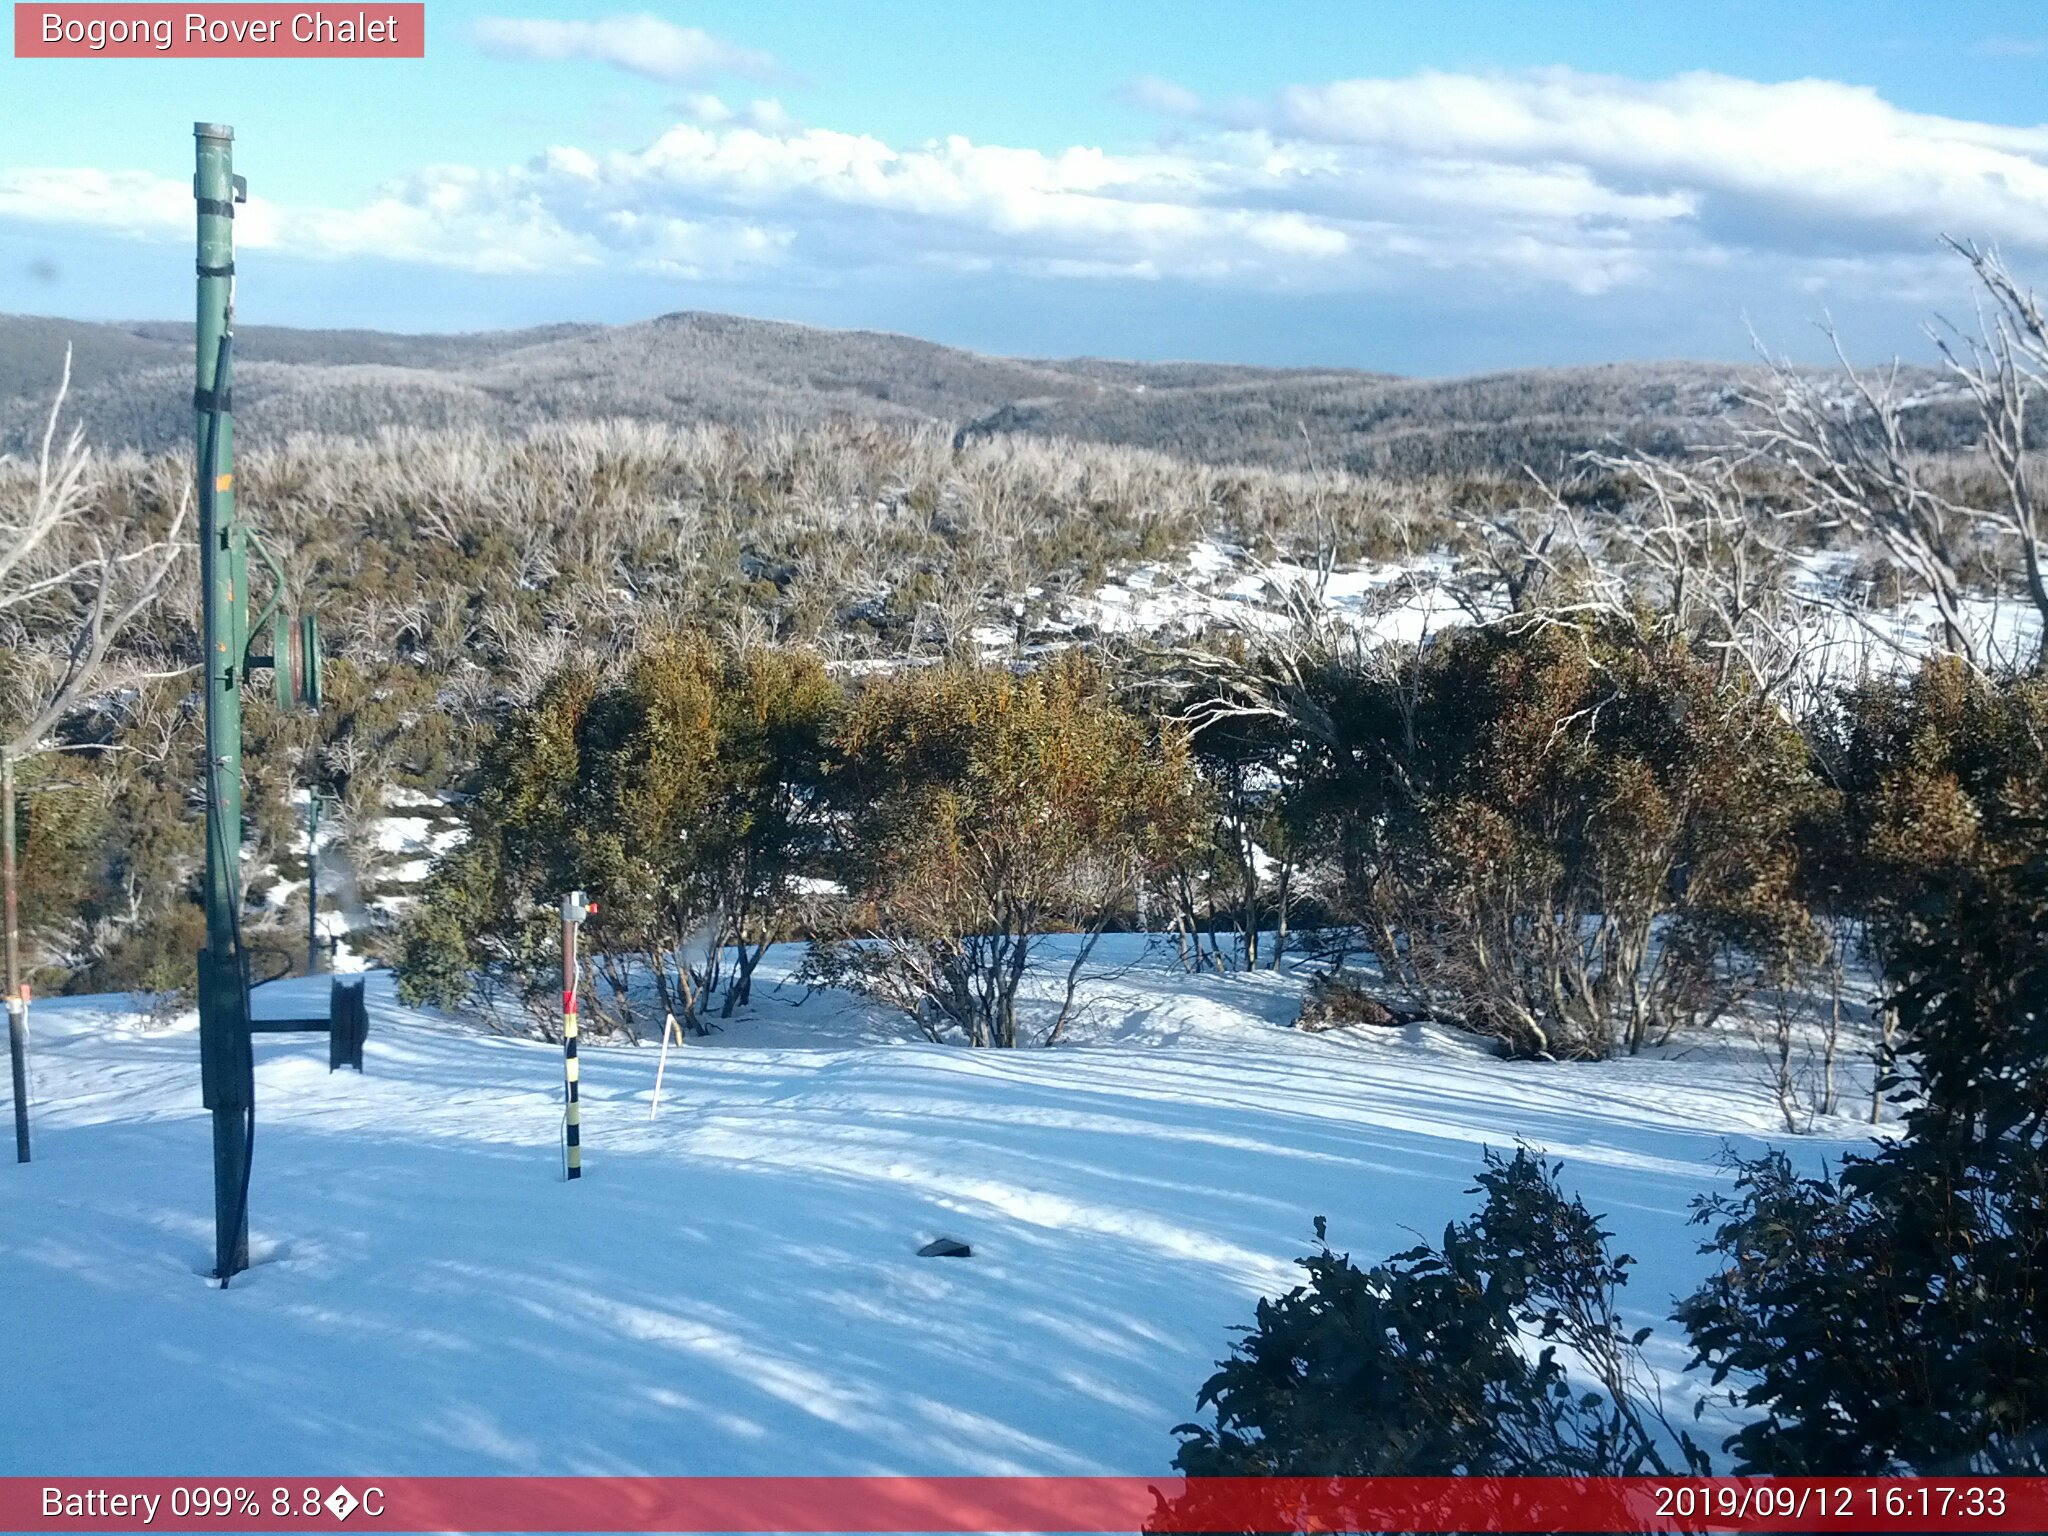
{"points": [[980, 811], [703, 770], [1574, 840], [682, 795], [1936, 1245], [1620, 834], [1933, 776], [482, 931]]}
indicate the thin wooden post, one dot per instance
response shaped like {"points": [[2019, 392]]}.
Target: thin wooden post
{"points": [[17, 993], [313, 880]]}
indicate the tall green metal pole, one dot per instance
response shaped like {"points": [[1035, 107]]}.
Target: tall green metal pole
{"points": [[225, 1064]]}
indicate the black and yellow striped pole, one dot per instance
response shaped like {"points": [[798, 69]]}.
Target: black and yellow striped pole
{"points": [[576, 908]]}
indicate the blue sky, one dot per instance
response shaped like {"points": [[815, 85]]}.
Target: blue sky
{"points": [[1432, 188]]}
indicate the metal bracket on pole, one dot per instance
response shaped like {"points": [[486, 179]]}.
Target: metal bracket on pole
{"points": [[295, 658]]}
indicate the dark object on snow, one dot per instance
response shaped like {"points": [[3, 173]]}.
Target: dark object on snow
{"points": [[1335, 1001], [348, 1025], [1338, 1002], [945, 1248]]}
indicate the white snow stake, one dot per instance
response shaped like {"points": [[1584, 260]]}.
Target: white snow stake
{"points": [[669, 1030]]}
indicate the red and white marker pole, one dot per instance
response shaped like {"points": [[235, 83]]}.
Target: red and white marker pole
{"points": [[576, 909]]}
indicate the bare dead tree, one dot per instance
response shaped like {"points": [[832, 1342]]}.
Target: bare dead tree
{"points": [[1849, 455], [1707, 550], [1708, 561], [2005, 371], [66, 595], [1255, 669], [1518, 566]]}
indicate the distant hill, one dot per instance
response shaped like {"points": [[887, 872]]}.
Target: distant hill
{"points": [[132, 389]]}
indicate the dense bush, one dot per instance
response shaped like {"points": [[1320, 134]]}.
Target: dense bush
{"points": [[1574, 840], [981, 810], [682, 795], [1894, 1318], [110, 852], [1447, 1360]]}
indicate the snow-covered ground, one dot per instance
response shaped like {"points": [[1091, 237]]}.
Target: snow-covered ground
{"points": [[1221, 584], [733, 1287], [1854, 641], [1405, 602], [367, 883]]}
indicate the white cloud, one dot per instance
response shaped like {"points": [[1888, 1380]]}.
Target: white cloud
{"points": [[1487, 185], [1162, 96], [710, 111], [1801, 164], [703, 107], [642, 44], [552, 214], [855, 198], [132, 203], [767, 114]]}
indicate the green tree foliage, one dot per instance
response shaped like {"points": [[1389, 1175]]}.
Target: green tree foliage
{"points": [[1894, 1318], [1423, 1366], [1575, 841], [683, 796], [982, 810], [1943, 773], [1937, 778], [110, 850], [1936, 775], [62, 826], [482, 929], [701, 809]]}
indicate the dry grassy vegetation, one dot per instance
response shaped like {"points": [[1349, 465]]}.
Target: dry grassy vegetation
{"points": [[133, 381], [458, 572], [1578, 826]]}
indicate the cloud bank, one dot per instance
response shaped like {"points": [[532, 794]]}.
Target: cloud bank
{"points": [[1545, 181]]}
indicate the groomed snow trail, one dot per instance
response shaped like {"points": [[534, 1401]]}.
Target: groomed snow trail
{"points": [[733, 1288]]}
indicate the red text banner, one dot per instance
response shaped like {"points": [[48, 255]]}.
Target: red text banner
{"points": [[233, 31], [1054, 1504]]}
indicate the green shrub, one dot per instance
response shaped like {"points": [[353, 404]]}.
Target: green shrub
{"points": [[982, 810], [1422, 1366], [681, 795], [1894, 1318]]}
